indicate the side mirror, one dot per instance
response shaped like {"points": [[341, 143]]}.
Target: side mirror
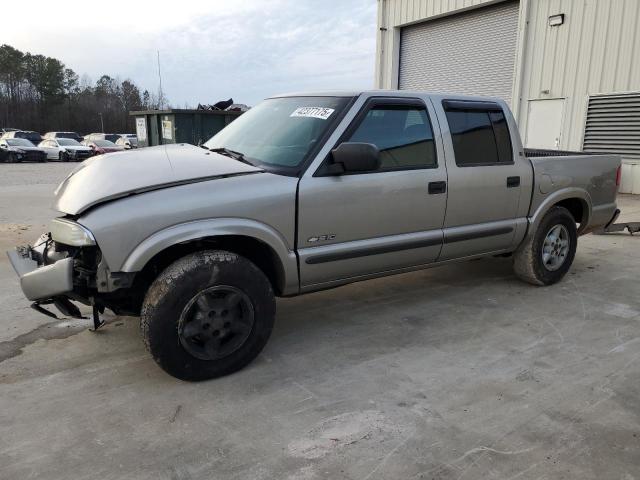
{"points": [[354, 157]]}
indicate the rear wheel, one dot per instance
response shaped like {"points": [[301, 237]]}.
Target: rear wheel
{"points": [[207, 315], [548, 254]]}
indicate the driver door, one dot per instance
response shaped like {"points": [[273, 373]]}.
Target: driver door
{"points": [[364, 224]]}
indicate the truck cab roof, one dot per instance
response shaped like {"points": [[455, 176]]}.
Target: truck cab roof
{"points": [[390, 93]]}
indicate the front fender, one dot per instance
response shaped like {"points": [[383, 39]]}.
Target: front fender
{"points": [[198, 229]]}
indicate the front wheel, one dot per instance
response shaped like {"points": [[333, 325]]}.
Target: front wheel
{"points": [[548, 254], [207, 315], [63, 157]]}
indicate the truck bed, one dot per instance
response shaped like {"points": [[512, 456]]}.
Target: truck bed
{"points": [[575, 172]]}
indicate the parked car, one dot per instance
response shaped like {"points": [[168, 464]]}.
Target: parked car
{"points": [[33, 137], [65, 149], [112, 137], [8, 129], [128, 142], [73, 135], [300, 194], [20, 150], [98, 147]]}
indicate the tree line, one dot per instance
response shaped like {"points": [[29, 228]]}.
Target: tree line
{"points": [[40, 93]]}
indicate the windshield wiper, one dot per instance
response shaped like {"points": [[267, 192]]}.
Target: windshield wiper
{"points": [[232, 153]]}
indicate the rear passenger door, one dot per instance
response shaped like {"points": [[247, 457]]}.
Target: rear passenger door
{"points": [[485, 173]]}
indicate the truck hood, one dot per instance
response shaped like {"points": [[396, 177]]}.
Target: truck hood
{"points": [[115, 175]]}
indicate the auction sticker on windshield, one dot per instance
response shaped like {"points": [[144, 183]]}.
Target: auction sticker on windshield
{"points": [[313, 112]]}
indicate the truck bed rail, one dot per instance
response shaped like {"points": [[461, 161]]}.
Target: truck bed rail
{"points": [[540, 152]]}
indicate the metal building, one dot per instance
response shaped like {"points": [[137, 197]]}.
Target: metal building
{"points": [[570, 69]]}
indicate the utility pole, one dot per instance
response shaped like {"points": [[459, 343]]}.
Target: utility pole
{"points": [[161, 99]]}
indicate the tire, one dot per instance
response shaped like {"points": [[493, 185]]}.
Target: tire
{"points": [[528, 260], [196, 282], [12, 158], [63, 157]]}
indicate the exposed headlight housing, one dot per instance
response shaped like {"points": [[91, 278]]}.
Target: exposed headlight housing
{"points": [[71, 233]]}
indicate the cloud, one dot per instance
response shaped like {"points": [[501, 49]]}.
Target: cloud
{"points": [[245, 49]]}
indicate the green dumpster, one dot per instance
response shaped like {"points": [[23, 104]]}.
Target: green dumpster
{"points": [[159, 127]]}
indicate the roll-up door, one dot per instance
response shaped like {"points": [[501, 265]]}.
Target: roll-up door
{"points": [[469, 53]]}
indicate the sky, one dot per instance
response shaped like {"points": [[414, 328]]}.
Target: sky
{"points": [[209, 50]]}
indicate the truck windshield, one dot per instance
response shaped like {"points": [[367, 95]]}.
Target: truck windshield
{"points": [[280, 132]]}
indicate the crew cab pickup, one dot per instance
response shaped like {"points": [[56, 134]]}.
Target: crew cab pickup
{"points": [[305, 192]]}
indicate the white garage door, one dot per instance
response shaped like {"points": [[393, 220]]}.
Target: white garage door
{"points": [[470, 53]]}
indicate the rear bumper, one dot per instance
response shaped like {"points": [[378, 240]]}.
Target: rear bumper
{"points": [[615, 216], [601, 215], [41, 282]]}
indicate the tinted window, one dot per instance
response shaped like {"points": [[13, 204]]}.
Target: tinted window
{"points": [[403, 135], [480, 137], [472, 136]]}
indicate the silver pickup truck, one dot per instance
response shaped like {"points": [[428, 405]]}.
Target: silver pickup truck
{"points": [[302, 193]]}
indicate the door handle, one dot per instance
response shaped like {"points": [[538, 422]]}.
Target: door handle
{"points": [[437, 187], [513, 182]]}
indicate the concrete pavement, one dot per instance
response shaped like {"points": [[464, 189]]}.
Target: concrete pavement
{"points": [[458, 372]]}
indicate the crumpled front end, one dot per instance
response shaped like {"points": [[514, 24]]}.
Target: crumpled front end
{"points": [[53, 272]]}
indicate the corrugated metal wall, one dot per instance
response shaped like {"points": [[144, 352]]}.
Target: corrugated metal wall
{"points": [[597, 50]]}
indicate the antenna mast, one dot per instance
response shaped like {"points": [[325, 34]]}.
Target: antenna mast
{"points": [[161, 99]]}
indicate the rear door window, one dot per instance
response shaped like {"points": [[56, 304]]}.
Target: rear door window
{"points": [[479, 136]]}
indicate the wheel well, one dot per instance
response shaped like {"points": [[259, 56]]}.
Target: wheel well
{"points": [[261, 254], [576, 208]]}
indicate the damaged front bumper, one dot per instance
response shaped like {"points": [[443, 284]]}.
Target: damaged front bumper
{"points": [[47, 276], [41, 282], [55, 273]]}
